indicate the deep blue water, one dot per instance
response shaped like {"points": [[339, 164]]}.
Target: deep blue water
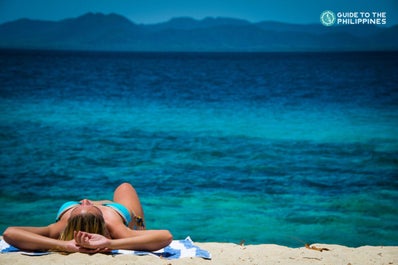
{"points": [[278, 148]]}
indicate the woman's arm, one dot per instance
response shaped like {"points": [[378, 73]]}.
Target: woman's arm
{"points": [[38, 238], [148, 240]]}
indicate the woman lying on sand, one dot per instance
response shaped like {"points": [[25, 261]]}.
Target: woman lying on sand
{"points": [[93, 226]]}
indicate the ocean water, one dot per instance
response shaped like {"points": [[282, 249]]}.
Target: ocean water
{"points": [[280, 148]]}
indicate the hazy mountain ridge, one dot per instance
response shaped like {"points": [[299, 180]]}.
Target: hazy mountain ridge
{"points": [[114, 32]]}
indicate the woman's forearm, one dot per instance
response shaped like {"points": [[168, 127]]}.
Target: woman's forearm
{"points": [[28, 240], [150, 241]]}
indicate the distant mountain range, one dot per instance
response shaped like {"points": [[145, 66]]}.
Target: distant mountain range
{"points": [[116, 33]]}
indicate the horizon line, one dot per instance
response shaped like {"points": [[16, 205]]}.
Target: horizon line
{"points": [[177, 17]]}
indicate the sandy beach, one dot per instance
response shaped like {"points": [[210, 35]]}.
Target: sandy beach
{"points": [[228, 253]]}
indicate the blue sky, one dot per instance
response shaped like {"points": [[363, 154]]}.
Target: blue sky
{"points": [[153, 11]]}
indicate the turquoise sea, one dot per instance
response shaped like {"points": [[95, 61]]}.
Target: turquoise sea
{"points": [[280, 148]]}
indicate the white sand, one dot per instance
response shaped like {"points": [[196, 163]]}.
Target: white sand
{"points": [[226, 253]]}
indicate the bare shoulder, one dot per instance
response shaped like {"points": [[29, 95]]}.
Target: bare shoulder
{"points": [[114, 223], [121, 231], [55, 229]]}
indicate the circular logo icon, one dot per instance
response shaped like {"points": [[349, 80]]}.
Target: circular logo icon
{"points": [[328, 18]]}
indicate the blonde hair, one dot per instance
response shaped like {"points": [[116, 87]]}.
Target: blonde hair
{"points": [[86, 222]]}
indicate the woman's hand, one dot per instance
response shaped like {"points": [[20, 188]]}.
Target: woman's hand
{"points": [[71, 247], [89, 241]]}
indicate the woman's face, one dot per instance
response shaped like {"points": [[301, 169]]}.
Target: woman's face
{"points": [[85, 207]]}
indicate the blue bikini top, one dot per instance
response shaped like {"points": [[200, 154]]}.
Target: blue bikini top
{"points": [[119, 208]]}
